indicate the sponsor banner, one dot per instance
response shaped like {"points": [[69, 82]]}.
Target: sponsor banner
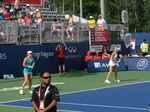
{"points": [[11, 58], [138, 63], [101, 65]]}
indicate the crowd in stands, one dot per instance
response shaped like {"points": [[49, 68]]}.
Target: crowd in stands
{"points": [[31, 16]]}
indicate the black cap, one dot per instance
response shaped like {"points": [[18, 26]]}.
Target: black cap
{"points": [[144, 39]]}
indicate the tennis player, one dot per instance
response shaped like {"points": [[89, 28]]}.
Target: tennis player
{"points": [[27, 71], [61, 60], [113, 62]]}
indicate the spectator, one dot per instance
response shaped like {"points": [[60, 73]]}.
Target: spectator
{"points": [[45, 96], [28, 10], [97, 56], [17, 7], [61, 60], [70, 28], [33, 10], [101, 24], [57, 26], [1, 35], [38, 16], [105, 55], [88, 57], [21, 20], [28, 19], [12, 15], [144, 48], [7, 8], [1, 10], [92, 23], [54, 24], [6, 15], [1, 16]]}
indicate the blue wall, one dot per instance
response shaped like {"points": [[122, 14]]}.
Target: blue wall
{"points": [[11, 58]]}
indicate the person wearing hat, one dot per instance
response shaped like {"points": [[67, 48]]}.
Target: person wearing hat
{"points": [[28, 64], [101, 23], [61, 60], [144, 48], [38, 16], [113, 63], [91, 23], [105, 55], [12, 15], [97, 56], [21, 20], [88, 57]]}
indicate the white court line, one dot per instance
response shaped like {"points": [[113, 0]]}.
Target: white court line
{"points": [[104, 87], [85, 90], [32, 107], [91, 105]]}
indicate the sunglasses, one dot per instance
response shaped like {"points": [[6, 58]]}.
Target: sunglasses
{"points": [[46, 77]]}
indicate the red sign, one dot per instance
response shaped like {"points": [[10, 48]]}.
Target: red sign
{"points": [[101, 36]]}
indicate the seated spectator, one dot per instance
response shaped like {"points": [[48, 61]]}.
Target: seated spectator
{"points": [[92, 23], [88, 57], [12, 15], [32, 10], [7, 9], [54, 24], [97, 56], [1, 16], [6, 15], [105, 55], [2, 10], [28, 10], [21, 20], [28, 19], [57, 26], [38, 16], [1, 36]]}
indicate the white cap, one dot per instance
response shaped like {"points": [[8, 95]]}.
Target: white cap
{"points": [[11, 10], [118, 49], [37, 10], [91, 17], [27, 5], [29, 52]]}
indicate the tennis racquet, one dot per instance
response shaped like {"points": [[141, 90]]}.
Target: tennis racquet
{"points": [[123, 57], [36, 59]]}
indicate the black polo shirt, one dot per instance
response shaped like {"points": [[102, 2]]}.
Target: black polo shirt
{"points": [[53, 94]]}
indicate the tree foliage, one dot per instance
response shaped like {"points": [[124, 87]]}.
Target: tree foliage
{"points": [[138, 10]]}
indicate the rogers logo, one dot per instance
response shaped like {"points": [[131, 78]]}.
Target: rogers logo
{"points": [[142, 64], [72, 49]]}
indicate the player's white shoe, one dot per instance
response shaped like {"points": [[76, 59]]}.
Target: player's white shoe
{"points": [[30, 91], [21, 91], [117, 80], [107, 81]]}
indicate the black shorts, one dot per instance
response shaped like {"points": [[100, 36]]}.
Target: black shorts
{"points": [[61, 61]]}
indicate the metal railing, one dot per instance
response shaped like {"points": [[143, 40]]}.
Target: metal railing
{"points": [[46, 32]]}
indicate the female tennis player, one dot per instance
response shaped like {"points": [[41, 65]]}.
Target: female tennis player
{"points": [[28, 64], [113, 62]]}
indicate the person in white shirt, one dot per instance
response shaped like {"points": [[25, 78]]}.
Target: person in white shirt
{"points": [[101, 23]]}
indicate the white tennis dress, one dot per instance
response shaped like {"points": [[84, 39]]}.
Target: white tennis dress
{"points": [[111, 62]]}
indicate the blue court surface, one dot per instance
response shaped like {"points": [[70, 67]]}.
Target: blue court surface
{"points": [[123, 98]]}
